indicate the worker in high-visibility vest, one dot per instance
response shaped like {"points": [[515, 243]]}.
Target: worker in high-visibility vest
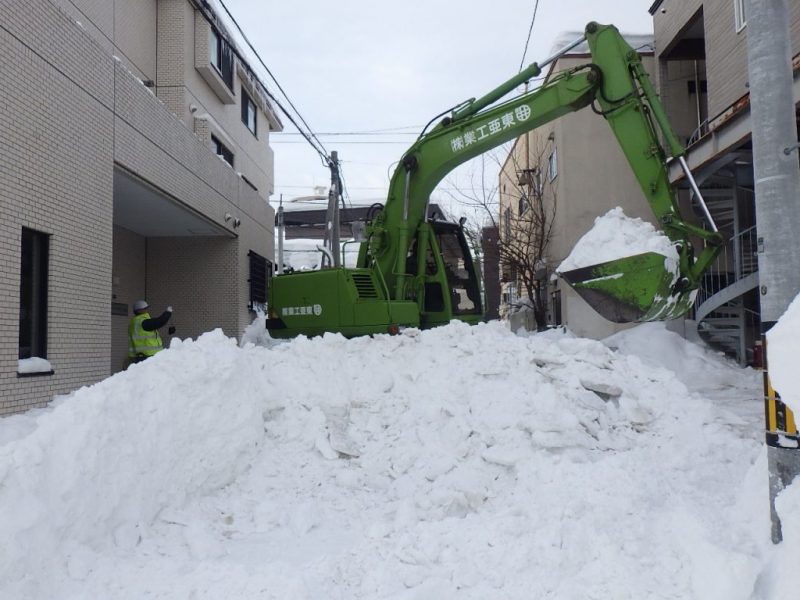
{"points": [[143, 338]]}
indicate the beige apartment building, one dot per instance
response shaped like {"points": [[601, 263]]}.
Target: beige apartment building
{"points": [[702, 77], [574, 166], [135, 163]]}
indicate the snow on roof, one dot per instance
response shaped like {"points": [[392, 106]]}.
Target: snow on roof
{"points": [[641, 42], [252, 65]]}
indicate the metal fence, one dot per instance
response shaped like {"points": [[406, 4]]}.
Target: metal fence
{"points": [[737, 260]]}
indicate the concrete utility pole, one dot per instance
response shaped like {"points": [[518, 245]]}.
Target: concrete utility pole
{"points": [[777, 187], [280, 236], [332, 236]]}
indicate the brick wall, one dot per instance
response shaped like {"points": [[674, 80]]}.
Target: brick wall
{"points": [[171, 54], [198, 278], [56, 91]]}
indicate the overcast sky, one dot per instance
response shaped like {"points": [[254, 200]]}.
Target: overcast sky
{"points": [[367, 65]]}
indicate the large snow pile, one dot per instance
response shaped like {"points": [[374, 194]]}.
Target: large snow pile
{"points": [[615, 236], [458, 462], [783, 350], [698, 366]]}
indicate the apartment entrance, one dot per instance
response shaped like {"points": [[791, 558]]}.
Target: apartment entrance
{"points": [[159, 245]]}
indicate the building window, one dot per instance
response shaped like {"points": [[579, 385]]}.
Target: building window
{"points": [[524, 204], [33, 294], [249, 113], [557, 307], [222, 150], [260, 273], [507, 224], [552, 164], [741, 14], [221, 57]]}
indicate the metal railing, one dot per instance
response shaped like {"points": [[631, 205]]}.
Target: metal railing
{"points": [[737, 260], [698, 133]]}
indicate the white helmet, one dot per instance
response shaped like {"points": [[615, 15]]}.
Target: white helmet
{"points": [[140, 305]]}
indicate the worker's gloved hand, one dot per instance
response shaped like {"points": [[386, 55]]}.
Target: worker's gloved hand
{"points": [[171, 330], [169, 309]]}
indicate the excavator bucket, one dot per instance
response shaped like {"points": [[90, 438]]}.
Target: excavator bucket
{"points": [[633, 289]]}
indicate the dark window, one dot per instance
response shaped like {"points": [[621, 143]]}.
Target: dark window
{"points": [[552, 164], [222, 150], [260, 273], [460, 273], [692, 86], [557, 307], [33, 294], [524, 205], [221, 57], [249, 113]]}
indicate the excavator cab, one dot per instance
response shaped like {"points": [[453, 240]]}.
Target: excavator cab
{"points": [[451, 287]]}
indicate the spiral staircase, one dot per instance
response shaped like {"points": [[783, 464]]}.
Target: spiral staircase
{"points": [[726, 309]]}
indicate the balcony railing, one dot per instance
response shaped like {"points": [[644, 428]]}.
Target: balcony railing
{"points": [[737, 260]]}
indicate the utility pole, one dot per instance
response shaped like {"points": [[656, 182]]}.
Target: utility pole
{"points": [[280, 236], [332, 236], [777, 189]]}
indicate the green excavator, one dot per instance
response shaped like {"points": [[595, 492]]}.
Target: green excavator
{"points": [[415, 270]]}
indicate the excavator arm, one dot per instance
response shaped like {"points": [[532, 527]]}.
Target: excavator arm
{"points": [[406, 269], [617, 86]]}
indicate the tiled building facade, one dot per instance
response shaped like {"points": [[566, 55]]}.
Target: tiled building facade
{"points": [[116, 183]]}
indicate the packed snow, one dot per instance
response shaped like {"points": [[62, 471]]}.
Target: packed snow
{"points": [[463, 462], [33, 365], [615, 236], [783, 350]]}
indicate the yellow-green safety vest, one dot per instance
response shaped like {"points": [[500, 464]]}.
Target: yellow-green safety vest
{"points": [[141, 341]]}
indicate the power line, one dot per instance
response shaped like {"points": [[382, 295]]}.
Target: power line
{"points": [[377, 142], [321, 150], [530, 30], [386, 131], [348, 133]]}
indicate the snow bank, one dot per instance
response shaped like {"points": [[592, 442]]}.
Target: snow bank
{"points": [[614, 236], [695, 364], [106, 460], [780, 577], [783, 350], [460, 461]]}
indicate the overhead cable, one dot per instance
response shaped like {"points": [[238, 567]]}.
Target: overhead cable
{"points": [[308, 134], [527, 41]]}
